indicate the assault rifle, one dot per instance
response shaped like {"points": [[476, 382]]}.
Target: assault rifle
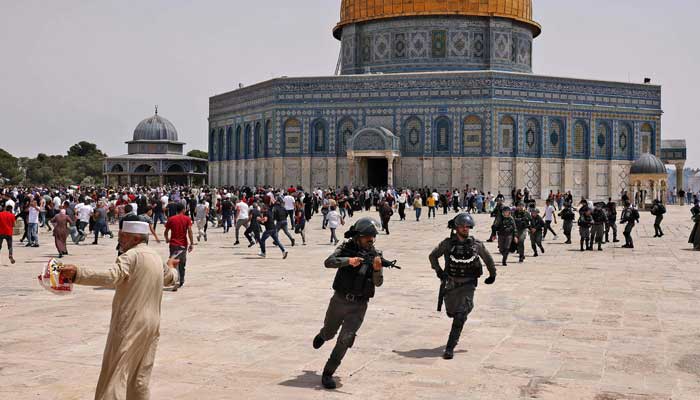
{"points": [[368, 260]]}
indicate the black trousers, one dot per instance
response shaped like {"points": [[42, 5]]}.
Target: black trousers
{"points": [[548, 228], [348, 314]]}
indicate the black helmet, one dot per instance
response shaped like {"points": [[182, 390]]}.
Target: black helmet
{"points": [[462, 219], [365, 226]]}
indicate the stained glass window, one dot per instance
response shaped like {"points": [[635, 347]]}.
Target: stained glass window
{"points": [[531, 134], [555, 129], [413, 129], [579, 138], [319, 131], [623, 140], [602, 139], [442, 135]]}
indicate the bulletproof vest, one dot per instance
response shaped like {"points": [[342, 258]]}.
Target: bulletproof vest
{"points": [[351, 280], [521, 220], [463, 259], [568, 214], [507, 225], [599, 216]]}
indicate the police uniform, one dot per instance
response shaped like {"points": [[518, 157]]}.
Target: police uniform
{"points": [[463, 268], [612, 221], [694, 238], [354, 287], [629, 217], [584, 230], [497, 215], [599, 219], [505, 229], [568, 216], [658, 210], [522, 223], [536, 232]]}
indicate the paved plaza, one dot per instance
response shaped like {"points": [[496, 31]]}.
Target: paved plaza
{"points": [[617, 324]]}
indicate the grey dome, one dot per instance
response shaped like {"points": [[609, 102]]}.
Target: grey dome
{"points": [[155, 128], [648, 164]]}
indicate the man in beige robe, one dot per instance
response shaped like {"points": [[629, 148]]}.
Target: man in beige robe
{"points": [[138, 277]]}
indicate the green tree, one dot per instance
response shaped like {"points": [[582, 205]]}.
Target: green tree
{"points": [[198, 154], [9, 167], [85, 149]]}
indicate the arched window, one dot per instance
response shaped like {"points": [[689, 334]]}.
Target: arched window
{"points": [[176, 168], [507, 129], [318, 129], [246, 141], [258, 142], [292, 136], [345, 131], [239, 149], [623, 139], [442, 134], [229, 143], [221, 144], [532, 134], [601, 139], [266, 138], [212, 145], [579, 138], [555, 139], [471, 134], [646, 139], [117, 168], [412, 133]]}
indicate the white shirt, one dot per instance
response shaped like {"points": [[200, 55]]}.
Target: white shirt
{"points": [[288, 203], [164, 200], [436, 196], [10, 202], [242, 210], [84, 212], [33, 216], [333, 219], [548, 213], [201, 211], [56, 203]]}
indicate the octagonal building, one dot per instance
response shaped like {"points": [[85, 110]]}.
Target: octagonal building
{"points": [[436, 93]]}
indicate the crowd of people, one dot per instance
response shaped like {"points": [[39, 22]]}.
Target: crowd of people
{"points": [[140, 274]]}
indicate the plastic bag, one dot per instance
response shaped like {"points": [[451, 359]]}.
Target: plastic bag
{"points": [[52, 280]]}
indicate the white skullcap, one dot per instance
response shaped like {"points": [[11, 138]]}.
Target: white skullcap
{"points": [[137, 227]]}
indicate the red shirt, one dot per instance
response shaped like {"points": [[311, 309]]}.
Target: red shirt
{"points": [[178, 225], [7, 223]]}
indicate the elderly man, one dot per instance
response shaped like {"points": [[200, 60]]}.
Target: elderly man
{"points": [[138, 277]]}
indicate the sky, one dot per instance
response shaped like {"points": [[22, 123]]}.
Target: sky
{"points": [[91, 70]]}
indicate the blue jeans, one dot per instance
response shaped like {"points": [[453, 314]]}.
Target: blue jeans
{"points": [[418, 211], [226, 221], [275, 240], [158, 217], [33, 230]]}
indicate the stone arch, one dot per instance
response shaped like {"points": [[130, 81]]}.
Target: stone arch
{"points": [[117, 168], [144, 168], [176, 168]]}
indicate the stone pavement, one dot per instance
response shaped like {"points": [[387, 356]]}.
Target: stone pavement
{"points": [[617, 324]]}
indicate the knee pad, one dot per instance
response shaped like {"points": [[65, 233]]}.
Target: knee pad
{"points": [[347, 339]]}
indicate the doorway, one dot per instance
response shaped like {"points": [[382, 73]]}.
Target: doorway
{"points": [[377, 172]]}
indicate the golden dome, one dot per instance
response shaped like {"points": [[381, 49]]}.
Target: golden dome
{"points": [[353, 11]]}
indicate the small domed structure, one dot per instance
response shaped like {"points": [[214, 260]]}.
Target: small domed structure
{"points": [[155, 128], [648, 164], [648, 180]]}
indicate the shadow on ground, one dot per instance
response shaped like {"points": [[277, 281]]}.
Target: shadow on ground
{"points": [[425, 353]]}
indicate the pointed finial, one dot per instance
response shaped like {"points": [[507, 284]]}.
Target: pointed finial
{"points": [[156, 109]]}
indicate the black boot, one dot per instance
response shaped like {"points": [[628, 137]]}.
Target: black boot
{"points": [[582, 244], [318, 342], [600, 247], [505, 260], [615, 239], [327, 381], [455, 333]]}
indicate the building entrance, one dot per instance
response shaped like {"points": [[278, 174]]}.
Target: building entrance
{"points": [[377, 172]]}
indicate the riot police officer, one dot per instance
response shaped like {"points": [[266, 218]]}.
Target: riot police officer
{"points": [[462, 254], [612, 221], [585, 220], [537, 228], [505, 229], [567, 215], [522, 223], [694, 238], [359, 267], [630, 216], [496, 214], [658, 210], [599, 220]]}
